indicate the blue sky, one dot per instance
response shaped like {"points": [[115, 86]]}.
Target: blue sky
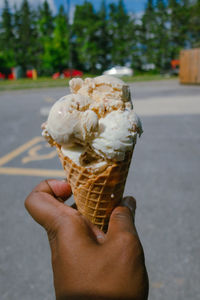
{"points": [[135, 6], [131, 5]]}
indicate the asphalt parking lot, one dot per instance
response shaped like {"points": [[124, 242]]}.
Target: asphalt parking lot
{"points": [[164, 178]]}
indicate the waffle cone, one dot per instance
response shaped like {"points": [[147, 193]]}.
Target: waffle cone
{"points": [[96, 192]]}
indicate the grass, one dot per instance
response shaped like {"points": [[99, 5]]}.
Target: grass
{"points": [[147, 77], [47, 82], [25, 83]]}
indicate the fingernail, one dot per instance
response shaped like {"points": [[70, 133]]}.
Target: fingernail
{"points": [[100, 238], [129, 202]]}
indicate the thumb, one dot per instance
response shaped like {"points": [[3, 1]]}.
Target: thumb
{"points": [[129, 202], [122, 217]]}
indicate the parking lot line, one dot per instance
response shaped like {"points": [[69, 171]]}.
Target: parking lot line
{"points": [[19, 150], [30, 146], [32, 172]]}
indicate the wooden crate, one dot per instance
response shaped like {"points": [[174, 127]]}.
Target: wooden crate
{"points": [[190, 66]]}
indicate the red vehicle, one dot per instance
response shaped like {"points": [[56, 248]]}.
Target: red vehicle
{"points": [[175, 65], [9, 75], [68, 74], [56, 75], [72, 73], [2, 76], [29, 74], [15, 73]]}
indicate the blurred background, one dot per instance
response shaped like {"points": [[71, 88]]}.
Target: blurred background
{"points": [[50, 38], [154, 46]]}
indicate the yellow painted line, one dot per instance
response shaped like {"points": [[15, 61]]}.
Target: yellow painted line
{"points": [[32, 172], [19, 150]]}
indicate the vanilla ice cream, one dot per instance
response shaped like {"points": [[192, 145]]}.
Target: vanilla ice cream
{"points": [[96, 122], [70, 120], [117, 135]]}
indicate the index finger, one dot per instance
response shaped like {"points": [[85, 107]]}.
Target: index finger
{"points": [[41, 202], [54, 215], [57, 188]]}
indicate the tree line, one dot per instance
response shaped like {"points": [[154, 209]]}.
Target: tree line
{"points": [[97, 39]]}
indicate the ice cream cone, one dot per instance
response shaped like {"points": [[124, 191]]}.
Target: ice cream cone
{"points": [[95, 130], [96, 192]]}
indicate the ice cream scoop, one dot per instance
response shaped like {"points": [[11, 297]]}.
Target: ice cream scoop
{"points": [[70, 120], [98, 115], [117, 134], [101, 87], [107, 93]]}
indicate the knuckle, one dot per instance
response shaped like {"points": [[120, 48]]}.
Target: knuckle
{"points": [[124, 241], [63, 219], [28, 200], [127, 239], [130, 244], [56, 221]]}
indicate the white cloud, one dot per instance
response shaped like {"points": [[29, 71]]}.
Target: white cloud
{"points": [[33, 3]]}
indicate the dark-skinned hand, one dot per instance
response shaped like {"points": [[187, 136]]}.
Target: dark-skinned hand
{"points": [[87, 263]]}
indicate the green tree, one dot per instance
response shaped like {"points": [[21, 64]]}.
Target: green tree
{"points": [[173, 13], [184, 19], [6, 39], [45, 27], [195, 24], [103, 42], [45, 20], [162, 58], [85, 30], [57, 50], [119, 31], [148, 34], [26, 39], [178, 15], [134, 42], [6, 26]]}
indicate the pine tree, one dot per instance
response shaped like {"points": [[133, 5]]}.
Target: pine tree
{"points": [[26, 46], [134, 45], [6, 40], [178, 14], [103, 42], [6, 26], [195, 24], [85, 29], [119, 31], [45, 20], [148, 36], [58, 50], [45, 27], [162, 59], [184, 18]]}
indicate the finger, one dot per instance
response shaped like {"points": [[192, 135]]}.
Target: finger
{"points": [[99, 235], [58, 188], [54, 215], [121, 219], [41, 207], [42, 204], [129, 202]]}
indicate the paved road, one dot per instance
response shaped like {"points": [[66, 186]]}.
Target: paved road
{"points": [[164, 178]]}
